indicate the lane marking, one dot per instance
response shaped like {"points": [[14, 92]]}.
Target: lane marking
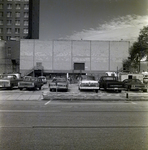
{"points": [[47, 102]]}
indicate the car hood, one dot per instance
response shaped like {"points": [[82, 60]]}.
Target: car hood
{"points": [[4, 80]]}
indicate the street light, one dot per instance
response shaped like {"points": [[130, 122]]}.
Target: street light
{"points": [[138, 60]]}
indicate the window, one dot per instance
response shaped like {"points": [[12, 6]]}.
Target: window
{"points": [[9, 14], [1, 30], [18, 6], [1, 22], [8, 30], [26, 15], [26, 6], [9, 22], [1, 38], [8, 37], [24, 37], [17, 14], [17, 37], [1, 14], [17, 30], [1, 6], [17, 22], [9, 6], [26, 31], [25, 22], [9, 51], [9, 0]]}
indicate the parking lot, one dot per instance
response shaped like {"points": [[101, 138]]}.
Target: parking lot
{"points": [[72, 94]]}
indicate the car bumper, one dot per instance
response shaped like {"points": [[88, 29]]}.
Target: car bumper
{"points": [[58, 87], [26, 87], [89, 88], [115, 89]]}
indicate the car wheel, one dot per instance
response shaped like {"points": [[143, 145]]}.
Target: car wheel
{"points": [[145, 90], [21, 89], [129, 88], [40, 88], [119, 91], [96, 91]]}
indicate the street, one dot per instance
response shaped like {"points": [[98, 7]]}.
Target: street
{"points": [[73, 125]]}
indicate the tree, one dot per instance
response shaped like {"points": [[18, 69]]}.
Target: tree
{"points": [[139, 49]]}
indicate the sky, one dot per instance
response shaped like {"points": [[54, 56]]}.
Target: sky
{"points": [[92, 19]]}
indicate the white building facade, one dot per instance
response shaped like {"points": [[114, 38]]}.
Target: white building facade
{"points": [[72, 56]]}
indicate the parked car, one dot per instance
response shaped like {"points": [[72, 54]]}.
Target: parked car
{"points": [[134, 84], [110, 83], [9, 81], [88, 83], [30, 83], [58, 83], [43, 78]]}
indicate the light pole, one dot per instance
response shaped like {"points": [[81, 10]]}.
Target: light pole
{"points": [[138, 60]]}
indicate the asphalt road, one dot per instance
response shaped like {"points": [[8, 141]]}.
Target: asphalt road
{"points": [[73, 125]]}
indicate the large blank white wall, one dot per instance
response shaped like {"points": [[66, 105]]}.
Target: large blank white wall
{"points": [[99, 55], [61, 55]]}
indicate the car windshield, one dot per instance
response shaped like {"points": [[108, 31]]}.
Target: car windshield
{"points": [[88, 78], [135, 81], [30, 79], [109, 78], [7, 76]]}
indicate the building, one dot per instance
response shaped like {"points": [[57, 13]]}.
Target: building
{"points": [[19, 19], [14, 19], [71, 56]]}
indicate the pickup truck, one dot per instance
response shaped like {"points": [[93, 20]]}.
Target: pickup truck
{"points": [[110, 83], [9, 81], [30, 83]]}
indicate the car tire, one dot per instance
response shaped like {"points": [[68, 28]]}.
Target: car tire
{"points": [[145, 90], [129, 88], [96, 91], [21, 89], [40, 88]]}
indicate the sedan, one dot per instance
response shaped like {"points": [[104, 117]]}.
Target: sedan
{"points": [[58, 84], [88, 83], [134, 84]]}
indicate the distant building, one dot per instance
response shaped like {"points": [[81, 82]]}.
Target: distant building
{"points": [[19, 19]]}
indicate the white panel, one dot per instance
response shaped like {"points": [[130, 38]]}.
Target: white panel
{"points": [[62, 55], [99, 55], [118, 52], [81, 48], [43, 53], [26, 54]]}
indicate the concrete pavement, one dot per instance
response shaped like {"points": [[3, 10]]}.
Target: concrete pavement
{"points": [[72, 94]]}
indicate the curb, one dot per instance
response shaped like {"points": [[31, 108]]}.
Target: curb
{"points": [[92, 97]]}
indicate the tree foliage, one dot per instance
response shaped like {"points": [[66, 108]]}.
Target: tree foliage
{"points": [[139, 49]]}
